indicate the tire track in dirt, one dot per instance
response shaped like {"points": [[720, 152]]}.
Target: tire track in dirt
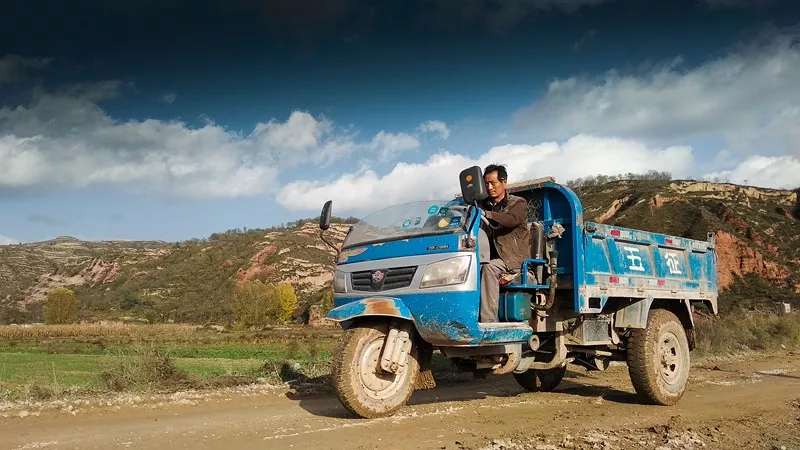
{"points": [[746, 404]]}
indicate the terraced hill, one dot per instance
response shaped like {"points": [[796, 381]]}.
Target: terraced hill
{"points": [[758, 245], [758, 230]]}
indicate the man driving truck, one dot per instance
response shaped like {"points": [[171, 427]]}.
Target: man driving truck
{"points": [[509, 238]]}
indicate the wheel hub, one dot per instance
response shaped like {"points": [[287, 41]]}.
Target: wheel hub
{"points": [[669, 358], [377, 383]]}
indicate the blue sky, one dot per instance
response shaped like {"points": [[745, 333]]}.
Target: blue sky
{"points": [[164, 120]]}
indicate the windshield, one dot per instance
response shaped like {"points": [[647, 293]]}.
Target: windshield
{"points": [[407, 220]]}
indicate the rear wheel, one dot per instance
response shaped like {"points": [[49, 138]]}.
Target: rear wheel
{"points": [[541, 380], [361, 385], [658, 359]]}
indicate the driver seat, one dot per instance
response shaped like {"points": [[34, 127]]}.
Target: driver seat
{"points": [[536, 232]]}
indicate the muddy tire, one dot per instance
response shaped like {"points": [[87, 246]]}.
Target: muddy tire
{"points": [[360, 383], [658, 359], [541, 380]]}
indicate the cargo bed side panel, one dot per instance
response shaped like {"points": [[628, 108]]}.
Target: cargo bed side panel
{"points": [[634, 264]]}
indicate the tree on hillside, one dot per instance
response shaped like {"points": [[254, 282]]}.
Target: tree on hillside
{"points": [[286, 300], [258, 304], [61, 306], [599, 180], [250, 304]]}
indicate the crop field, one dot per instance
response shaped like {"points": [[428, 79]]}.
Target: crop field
{"points": [[43, 361], [51, 360]]}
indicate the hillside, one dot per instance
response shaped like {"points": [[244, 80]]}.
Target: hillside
{"points": [[758, 245], [29, 271], [758, 230], [183, 281]]}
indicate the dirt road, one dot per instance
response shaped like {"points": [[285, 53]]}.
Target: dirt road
{"points": [[751, 403]]}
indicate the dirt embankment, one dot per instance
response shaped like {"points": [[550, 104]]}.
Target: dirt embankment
{"points": [[302, 273], [98, 271], [735, 257]]}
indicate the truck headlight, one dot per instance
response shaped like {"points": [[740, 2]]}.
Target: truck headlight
{"points": [[339, 282], [447, 272]]}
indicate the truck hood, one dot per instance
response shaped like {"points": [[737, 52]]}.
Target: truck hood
{"points": [[422, 245]]}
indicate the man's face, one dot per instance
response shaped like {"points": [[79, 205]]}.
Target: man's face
{"points": [[495, 187]]}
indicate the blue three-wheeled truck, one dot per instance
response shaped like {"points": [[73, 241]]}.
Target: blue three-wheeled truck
{"points": [[407, 283]]}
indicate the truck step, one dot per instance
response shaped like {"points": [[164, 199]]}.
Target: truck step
{"points": [[504, 325], [523, 287]]}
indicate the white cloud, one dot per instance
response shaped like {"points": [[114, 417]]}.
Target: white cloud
{"points": [[388, 145], [12, 67], [5, 240], [169, 98], [66, 139], [775, 172], [435, 127], [437, 177], [748, 99]]}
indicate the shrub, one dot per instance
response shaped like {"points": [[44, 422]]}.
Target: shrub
{"points": [[148, 368], [258, 304], [742, 332], [327, 302], [286, 300], [61, 307], [249, 303]]}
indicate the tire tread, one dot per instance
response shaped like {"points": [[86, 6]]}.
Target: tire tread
{"points": [[639, 359], [344, 354]]}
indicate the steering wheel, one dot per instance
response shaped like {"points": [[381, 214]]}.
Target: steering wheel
{"points": [[466, 211]]}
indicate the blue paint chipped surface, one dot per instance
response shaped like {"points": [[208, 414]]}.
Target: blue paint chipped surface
{"points": [[622, 262], [449, 318], [601, 261], [596, 262]]}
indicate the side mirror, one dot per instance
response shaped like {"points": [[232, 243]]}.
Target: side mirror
{"points": [[325, 217], [473, 188]]}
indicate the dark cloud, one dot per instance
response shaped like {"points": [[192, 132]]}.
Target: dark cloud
{"points": [[588, 36], [153, 30], [168, 98], [13, 67], [724, 4], [47, 220]]}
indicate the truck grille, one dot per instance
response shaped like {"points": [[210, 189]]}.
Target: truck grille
{"points": [[383, 279]]}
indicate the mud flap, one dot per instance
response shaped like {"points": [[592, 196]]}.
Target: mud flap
{"points": [[425, 378]]}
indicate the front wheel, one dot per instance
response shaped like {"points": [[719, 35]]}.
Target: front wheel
{"points": [[361, 385], [658, 359]]}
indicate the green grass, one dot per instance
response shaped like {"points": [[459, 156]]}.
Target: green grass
{"points": [[742, 332], [82, 370], [17, 369], [42, 368], [264, 351]]}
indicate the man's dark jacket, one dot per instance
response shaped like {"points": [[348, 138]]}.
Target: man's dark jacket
{"points": [[511, 237]]}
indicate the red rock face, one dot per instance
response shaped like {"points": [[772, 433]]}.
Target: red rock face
{"points": [[735, 257], [258, 264], [615, 207], [100, 271], [658, 202]]}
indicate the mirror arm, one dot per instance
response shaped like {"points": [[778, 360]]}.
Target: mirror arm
{"points": [[330, 244]]}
